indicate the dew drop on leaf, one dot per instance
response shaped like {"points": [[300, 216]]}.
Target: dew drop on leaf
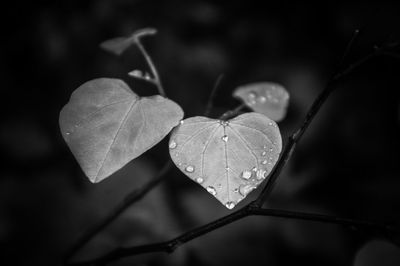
{"points": [[199, 180], [230, 205], [270, 99], [225, 138], [172, 144], [246, 174], [246, 189], [189, 169], [212, 191], [226, 165]]}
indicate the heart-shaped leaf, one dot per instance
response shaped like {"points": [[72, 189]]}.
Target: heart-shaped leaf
{"points": [[270, 99], [228, 158], [106, 125], [121, 44]]}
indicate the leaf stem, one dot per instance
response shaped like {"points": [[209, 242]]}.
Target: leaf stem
{"points": [[156, 80], [212, 95]]}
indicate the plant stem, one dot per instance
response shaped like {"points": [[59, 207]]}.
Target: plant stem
{"points": [[157, 80], [212, 95]]}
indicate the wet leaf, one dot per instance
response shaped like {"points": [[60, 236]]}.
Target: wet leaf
{"points": [[270, 99], [227, 158], [106, 125], [121, 44]]}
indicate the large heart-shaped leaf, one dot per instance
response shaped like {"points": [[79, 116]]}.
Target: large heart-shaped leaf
{"points": [[227, 158], [106, 125], [270, 99]]}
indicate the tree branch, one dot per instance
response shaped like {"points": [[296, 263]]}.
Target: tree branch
{"points": [[248, 210]]}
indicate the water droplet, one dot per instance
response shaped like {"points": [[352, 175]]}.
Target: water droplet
{"points": [[224, 123], [270, 123], [264, 162], [181, 122], [246, 174], [212, 190], [260, 174], [227, 168], [254, 169], [262, 99], [172, 144], [263, 153], [225, 138], [67, 133], [236, 190], [219, 185], [271, 149], [244, 190], [252, 95], [252, 102], [189, 168], [199, 180], [147, 76], [230, 205]]}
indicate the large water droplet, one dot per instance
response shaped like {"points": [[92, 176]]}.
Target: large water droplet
{"points": [[252, 95], [246, 189], [199, 180], [246, 174], [225, 138], [262, 99], [230, 205], [260, 174], [211, 190], [172, 144], [189, 168]]}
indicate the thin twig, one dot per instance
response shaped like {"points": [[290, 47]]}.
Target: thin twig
{"points": [[128, 200], [248, 210], [157, 80], [212, 95]]}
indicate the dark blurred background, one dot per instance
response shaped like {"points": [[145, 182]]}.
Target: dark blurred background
{"points": [[347, 164]]}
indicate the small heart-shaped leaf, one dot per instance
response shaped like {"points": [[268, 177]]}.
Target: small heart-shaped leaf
{"points": [[227, 158], [119, 45], [106, 125], [270, 99]]}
